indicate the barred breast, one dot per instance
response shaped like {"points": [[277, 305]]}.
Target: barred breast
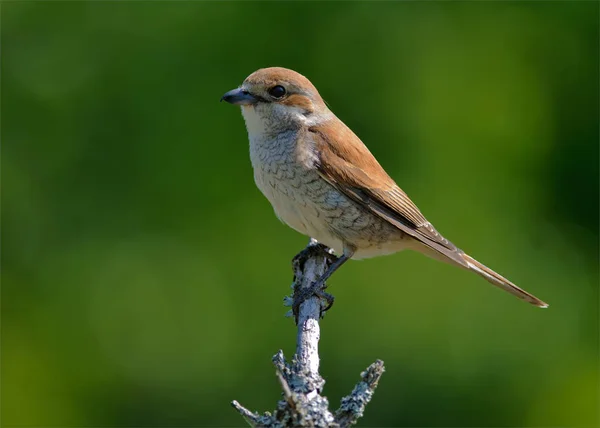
{"points": [[303, 200]]}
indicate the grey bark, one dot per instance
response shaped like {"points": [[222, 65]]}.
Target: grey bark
{"points": [[302, 385]]}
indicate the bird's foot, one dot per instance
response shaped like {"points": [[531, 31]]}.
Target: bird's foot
{"points": [[317, 289], [301, 294]]}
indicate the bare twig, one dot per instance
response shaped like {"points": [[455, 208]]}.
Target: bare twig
{"points": [[303, 404], [353, 405], [251, 418]]}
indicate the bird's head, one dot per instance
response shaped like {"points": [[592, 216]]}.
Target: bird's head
{"points": [[276, 99]]}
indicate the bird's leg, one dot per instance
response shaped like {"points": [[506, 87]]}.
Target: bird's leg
{"points": [[318, 287]]}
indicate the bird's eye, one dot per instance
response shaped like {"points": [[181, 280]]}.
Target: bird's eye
{"points": [[277, 91]]}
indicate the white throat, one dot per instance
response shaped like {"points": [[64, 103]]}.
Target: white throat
{"points": [[260, 122], [255, 124]]}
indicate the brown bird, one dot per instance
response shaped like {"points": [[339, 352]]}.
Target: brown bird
{"points": [[323, 181]]}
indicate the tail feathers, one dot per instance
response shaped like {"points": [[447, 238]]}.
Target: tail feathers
{"points": [[501, 282]]}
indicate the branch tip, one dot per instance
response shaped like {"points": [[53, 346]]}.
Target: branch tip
{"points": [[250, 417], [353, 406]]}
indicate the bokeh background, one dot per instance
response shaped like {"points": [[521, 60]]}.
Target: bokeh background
{"points": [[143, 273]]}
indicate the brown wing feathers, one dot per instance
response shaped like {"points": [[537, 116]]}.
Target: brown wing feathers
{"points": [[344, 168]]}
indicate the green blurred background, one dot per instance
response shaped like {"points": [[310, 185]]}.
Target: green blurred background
{"points": [[143, 272]]}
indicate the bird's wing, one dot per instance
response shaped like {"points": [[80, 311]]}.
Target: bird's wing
{"points": [[354, 171]]}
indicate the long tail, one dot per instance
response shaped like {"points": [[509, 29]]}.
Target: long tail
{"points": [[501, 282]]}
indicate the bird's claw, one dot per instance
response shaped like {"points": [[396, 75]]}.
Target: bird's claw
{"points": [[317, 289], [328, 298]]}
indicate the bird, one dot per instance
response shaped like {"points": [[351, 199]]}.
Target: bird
{"points": [[323, 181]]}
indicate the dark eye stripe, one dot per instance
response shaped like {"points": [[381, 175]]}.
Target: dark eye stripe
{"points": [[261, 99]]}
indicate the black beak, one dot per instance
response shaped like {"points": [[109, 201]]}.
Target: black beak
{"points": [[239, 96]]}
